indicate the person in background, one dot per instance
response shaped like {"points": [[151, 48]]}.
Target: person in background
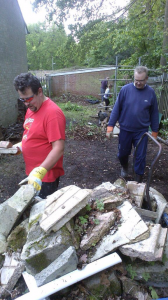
{"points": [[107, 95], [104, 85], [43, 138], [136, 109]]}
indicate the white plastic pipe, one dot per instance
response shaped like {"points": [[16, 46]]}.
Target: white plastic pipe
{"points": [[71, 278]]}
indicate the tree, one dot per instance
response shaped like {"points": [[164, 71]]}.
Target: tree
{"points": [[47, 42], [164, 56], [142, 32], [79, 11]]}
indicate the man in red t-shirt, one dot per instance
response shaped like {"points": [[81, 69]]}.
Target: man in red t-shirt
{"points": [[44, 136]]}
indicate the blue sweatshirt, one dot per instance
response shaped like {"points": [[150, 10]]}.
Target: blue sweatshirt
{"points": [[135, 109]]}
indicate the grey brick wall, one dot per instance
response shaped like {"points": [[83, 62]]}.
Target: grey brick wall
{"points": [[13, 58]]}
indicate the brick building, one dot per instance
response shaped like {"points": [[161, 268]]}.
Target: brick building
{"points": [[79, 82], [13, 57]]}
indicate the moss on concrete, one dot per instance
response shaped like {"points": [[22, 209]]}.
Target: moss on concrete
{"points": [[33, 222], [17, 238], [38, 262]]}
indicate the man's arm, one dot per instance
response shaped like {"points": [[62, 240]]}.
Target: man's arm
{"points": [[155, 117], [37, 174], [54, 155]]}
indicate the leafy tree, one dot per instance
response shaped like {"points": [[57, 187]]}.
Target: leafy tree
{"points": [[164, 56], [61, 10], [47, 42], [143, 32], [97, 36]]}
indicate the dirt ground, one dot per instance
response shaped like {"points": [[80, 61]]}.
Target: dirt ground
{"points": [[89, 160]]}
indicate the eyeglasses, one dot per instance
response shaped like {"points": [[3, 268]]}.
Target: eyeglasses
{"points": [[27, 99], [136, 80]]}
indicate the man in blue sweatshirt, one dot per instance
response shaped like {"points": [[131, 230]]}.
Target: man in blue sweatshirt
{"points": [[135, 109]]}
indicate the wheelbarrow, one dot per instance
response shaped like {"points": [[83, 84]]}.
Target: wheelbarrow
{"points": [[151, 167]]}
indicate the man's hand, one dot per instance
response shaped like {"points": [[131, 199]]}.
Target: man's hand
{"points": [[35, 177], [109, 132], [19, 148], [154, 134]]}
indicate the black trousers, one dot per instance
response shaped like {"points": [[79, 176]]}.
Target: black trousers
{"points": [[107, 102], [48, 188]]}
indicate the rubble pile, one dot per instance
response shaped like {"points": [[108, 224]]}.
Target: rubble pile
{"points": [[74, 227]]}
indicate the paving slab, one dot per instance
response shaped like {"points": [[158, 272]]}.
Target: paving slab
{"points": [[107, 185], [41, 248], [12, 209], [10, 273], [150, 249], [161, 203], [64, 264], [106, 221], [137, 191], [131, 230], [3, 243]]}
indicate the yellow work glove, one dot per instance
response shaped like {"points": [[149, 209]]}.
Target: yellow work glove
{"points": [[19, 147], [109, 132], [35, 177], [154, 134]]}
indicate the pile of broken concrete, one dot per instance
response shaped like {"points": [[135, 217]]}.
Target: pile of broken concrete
{"points": [[74, 227]]}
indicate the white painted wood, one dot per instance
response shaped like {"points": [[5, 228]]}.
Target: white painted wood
{"points": [[66, 207], [8, 150]]}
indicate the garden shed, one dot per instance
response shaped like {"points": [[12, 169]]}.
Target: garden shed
{"points": [[79, 82]]}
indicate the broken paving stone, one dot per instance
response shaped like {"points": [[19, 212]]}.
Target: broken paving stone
{"points": [[64, 206], [64, 264], [156, 272], [10, 273], [131, 230], [150, 249], [112, 202], [137, 191], [3, 243], [99, 194], [106, 221], [18, 236], [102, 284], [74, 234], [120, 183], [107, 185], [36, 212], [134, 289], [145, 214], [161, 203], [12, 209], [42, 248]]}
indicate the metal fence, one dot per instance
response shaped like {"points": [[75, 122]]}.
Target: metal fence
{"points": [[160, 85], [45, 82], [124, 75]]}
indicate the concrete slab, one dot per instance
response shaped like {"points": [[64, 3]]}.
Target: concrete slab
{"points": [[131, 230], [12, 209], [137, 191], [150, 249], [10, 273], [161, 203], [64, 264], [106, 221]]}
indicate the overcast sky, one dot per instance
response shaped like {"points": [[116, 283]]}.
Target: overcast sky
{"points": [[30, 17], [28, 14]]}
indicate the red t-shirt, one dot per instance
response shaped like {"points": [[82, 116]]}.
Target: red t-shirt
{"points": [[41, 128]]}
